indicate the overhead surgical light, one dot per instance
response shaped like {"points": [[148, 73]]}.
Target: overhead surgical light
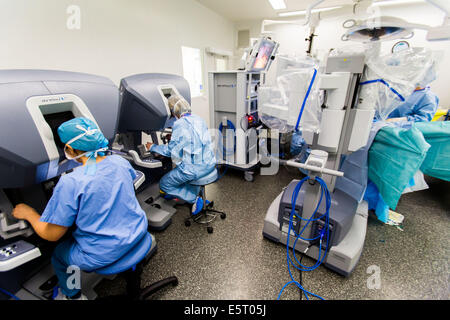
{"points": [[379, 29], [277, 4], [374, 29], [389, 28]]}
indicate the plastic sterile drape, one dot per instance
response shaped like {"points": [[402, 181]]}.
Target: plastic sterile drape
{"points": [[295, 90], [389, 79]]}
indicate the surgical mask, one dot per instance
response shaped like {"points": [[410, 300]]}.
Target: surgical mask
{"points": [[69, 157]]}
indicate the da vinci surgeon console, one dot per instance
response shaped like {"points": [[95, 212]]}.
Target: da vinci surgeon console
{"points": [[33, 104]]}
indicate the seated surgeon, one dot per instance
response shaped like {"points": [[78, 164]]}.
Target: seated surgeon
{"points": [[192, 152], [421, 105], [98, 198]]}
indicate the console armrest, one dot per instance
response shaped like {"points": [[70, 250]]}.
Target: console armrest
{"points": [[146, 163]]}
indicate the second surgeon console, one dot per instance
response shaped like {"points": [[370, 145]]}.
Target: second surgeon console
{"points": [[145, 111]]}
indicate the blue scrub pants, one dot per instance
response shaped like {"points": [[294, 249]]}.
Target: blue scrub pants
{"points": [[176, 183], [61, 261]]}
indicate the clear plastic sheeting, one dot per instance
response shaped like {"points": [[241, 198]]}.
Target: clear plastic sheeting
{"points": [[353, 49], [280, 104], [388, 80]]}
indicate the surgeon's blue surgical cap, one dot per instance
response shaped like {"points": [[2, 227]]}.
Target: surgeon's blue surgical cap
{"points": [[83, 134]]}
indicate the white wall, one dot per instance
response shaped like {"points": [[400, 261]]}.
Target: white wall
{"points": [[117, 38], [292, 39]]}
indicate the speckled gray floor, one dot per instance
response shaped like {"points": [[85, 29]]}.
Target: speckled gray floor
{"points": [[236, 262]]}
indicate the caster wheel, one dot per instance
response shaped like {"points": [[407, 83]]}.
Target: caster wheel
{"points": [[187, 223], [223, 216], [210, 229], [248, 177]]}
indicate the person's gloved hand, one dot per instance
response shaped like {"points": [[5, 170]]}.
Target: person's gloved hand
{"points": [[148, 145], [297, 143]]}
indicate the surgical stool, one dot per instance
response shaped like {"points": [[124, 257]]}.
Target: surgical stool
{"points": [[131, 266], [208, 213]]}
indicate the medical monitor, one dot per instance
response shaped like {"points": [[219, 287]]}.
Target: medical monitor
{"points": [[261, 55]]}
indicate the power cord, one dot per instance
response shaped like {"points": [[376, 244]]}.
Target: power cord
{"points": [[300, 272]]}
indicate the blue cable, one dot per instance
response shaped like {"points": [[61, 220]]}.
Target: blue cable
{"points": [[232, 127], [306, 98], [9, 294], [386, 84], [320, 258], [324, 190]]}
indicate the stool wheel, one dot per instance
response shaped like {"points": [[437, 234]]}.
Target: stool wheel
{"points": [[248, 176], [210, 229], [223, 216], [187, 223]]}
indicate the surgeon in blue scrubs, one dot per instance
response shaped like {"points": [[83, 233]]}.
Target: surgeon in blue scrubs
{"points": [[420, 106], [98, 198], [192, 152]]}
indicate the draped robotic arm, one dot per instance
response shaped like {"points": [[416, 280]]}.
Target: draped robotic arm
{"points": [[356, 90]]}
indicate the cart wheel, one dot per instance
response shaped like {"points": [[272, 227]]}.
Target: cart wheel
{"points": [[187, 223], [210, 229], [223, 215], [248, 176]]}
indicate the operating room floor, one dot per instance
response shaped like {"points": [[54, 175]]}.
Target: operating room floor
{"points": [[236, 262]]}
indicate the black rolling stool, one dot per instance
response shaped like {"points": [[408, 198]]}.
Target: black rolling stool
{"points": [[208, 213], [131, 265]]}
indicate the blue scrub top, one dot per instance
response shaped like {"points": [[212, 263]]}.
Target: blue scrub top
{"points": [[105, 210], [190, 146], [420, 106]]}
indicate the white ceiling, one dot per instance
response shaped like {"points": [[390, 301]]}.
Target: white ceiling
{"points": [[243, 10]]}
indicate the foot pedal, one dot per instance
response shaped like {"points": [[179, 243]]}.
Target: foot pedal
{"points": [[49, 284]]}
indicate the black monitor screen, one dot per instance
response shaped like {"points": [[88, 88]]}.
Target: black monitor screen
{"points": [[54, 120]]}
